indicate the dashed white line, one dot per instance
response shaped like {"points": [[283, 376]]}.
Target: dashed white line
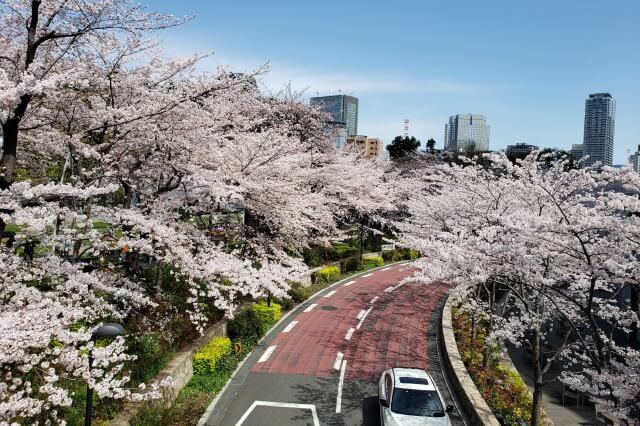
{"points": [[368, 275], [388, 289], [314, 412], [363, 318], [361, 313], [386, 269], [374, 299], [331, 293], [349, 333], [310, 308], [350, 282], [338, 361], [340, 384], [265, 356], [290, 326]]}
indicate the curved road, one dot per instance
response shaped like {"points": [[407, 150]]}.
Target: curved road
{"points": [[321, 365]]}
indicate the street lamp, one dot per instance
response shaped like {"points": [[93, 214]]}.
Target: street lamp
{"points": [[106, 330]]}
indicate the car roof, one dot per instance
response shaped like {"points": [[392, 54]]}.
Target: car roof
{"points": [[412, 378]]}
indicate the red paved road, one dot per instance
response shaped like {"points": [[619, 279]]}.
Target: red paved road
{"points": [[392, 334]]}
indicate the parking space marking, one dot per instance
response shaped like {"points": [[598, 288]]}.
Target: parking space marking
{"points": [[314, 413]]}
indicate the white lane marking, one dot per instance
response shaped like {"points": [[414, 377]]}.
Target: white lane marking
{"points": [[314, 412], [368, 275], [363, 318], [340, 384], [374, 299], [331, 293], [398, 286], [265, 356], [338, 361], [290, 326], [386, 269], [310, 307], [388, 289], [349, 333], [350, 282], [361, 313]]}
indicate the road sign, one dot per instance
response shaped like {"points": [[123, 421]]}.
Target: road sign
{"points": [[388, 247]]}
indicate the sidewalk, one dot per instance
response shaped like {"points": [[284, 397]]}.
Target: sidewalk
{"points": [[568, 414]]}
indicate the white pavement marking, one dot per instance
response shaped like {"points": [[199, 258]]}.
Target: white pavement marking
{"points": [[388, 289], [374, 299], [361, 313], [340, 384], [368, 275], [290, 326], [386, 269], [349, 333], [399, 285], [314, 413], [350, 282], [338, 361], [363, 318], [310, 307], [331, 293], [265, 356]]}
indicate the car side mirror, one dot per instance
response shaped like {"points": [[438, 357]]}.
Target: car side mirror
{"points": [[449, 408], [383, 402]]}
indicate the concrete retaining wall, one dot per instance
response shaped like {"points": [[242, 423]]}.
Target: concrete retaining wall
{"points": [[475, 406]]}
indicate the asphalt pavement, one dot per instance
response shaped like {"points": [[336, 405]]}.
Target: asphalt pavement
{"points": [[321, 365]]}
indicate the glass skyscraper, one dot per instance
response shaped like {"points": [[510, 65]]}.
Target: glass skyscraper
{"points": [[466, 131], [343, 110], [599, 126]]}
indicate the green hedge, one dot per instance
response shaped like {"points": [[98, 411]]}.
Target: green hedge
{"points": [[267, 315], [375, 261], [206, 359], [254, 322], [328, 274]]}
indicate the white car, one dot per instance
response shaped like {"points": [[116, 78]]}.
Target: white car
{"points": [[408, 397]]}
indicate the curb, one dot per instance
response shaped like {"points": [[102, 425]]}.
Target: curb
{"points": [[205, 416], [469, 396]]}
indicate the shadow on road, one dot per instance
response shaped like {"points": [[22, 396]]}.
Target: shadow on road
{"points": [[370, 411]]}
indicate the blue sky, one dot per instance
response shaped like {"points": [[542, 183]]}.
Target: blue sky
{"points": [[527, 65]]}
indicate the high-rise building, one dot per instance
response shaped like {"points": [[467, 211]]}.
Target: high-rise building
{"points": [[343, 110], [577, 151], [599, 126], [521, 149], [634, 160], [368, 147], [465, 132]]}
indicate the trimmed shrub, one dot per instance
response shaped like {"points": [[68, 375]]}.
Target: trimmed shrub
{"points": [[328, 274], [387, 256], [266, 315], [375, 260], [348, 265], [340, 251], [298, 292], [244, 325], [206, 359]]}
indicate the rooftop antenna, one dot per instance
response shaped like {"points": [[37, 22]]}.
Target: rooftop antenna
{"points": [[406, 127]]}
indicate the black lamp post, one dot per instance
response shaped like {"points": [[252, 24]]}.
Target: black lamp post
{"points": [[106, 330]]}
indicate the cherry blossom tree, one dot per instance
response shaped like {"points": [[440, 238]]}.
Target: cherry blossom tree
{"points": [[554, 249]]}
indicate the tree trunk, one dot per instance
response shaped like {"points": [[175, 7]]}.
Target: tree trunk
{"points": [[536, 403], [634, 337], [486, 357], [9, 148]]}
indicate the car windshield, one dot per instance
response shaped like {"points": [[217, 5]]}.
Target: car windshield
{"points": [[416, 402]]}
